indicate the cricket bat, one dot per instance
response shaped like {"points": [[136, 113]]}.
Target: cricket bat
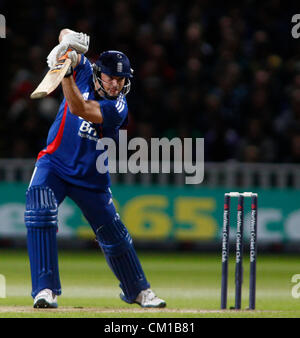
{"points": [[53, 78]]}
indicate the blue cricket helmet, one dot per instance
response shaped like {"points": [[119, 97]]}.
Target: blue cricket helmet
{"points": [[114, 63]]}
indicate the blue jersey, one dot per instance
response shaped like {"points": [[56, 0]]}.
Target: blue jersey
{"points": [[71, 143]]}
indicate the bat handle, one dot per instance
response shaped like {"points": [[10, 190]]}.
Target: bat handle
{"points": [[65, 56]]}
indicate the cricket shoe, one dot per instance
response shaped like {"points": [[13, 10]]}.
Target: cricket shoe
{"points": [[146, 298], [45, 299]]}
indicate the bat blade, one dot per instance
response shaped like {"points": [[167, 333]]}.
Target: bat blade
{"points": [[52, 79]]}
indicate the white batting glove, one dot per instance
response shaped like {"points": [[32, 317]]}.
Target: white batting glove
{"points": [[73, 56], [58, 51], [77, 41]]}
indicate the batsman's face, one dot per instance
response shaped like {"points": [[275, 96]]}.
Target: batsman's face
{"points": [[112, 84]]}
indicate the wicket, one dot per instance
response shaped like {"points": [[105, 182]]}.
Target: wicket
{"points": [[239, 249]]}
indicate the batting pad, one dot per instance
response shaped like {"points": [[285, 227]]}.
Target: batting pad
{"points": [[121, 257], [41, 222]]}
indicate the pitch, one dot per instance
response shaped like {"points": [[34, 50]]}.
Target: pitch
{"points": [[190, 283]]}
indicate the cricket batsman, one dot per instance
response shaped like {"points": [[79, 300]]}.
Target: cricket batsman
{"points": [[94, 106]]}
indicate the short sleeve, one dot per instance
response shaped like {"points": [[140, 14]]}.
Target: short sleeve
{"points": [[114, 113], [83, 70]]}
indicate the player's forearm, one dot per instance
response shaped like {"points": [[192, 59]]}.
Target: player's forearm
{"points": [[88, 110], [73, 96]]}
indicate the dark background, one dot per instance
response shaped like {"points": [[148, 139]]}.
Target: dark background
{"points": [[223, 70]]}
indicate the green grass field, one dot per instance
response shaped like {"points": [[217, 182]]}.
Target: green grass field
{"points": [[190, 283]]}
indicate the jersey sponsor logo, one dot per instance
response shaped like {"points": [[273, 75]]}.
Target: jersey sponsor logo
{"points": [[87, 131]]}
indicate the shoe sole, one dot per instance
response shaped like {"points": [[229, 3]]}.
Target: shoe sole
{"points": [[159, 306], [43, 304]]}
